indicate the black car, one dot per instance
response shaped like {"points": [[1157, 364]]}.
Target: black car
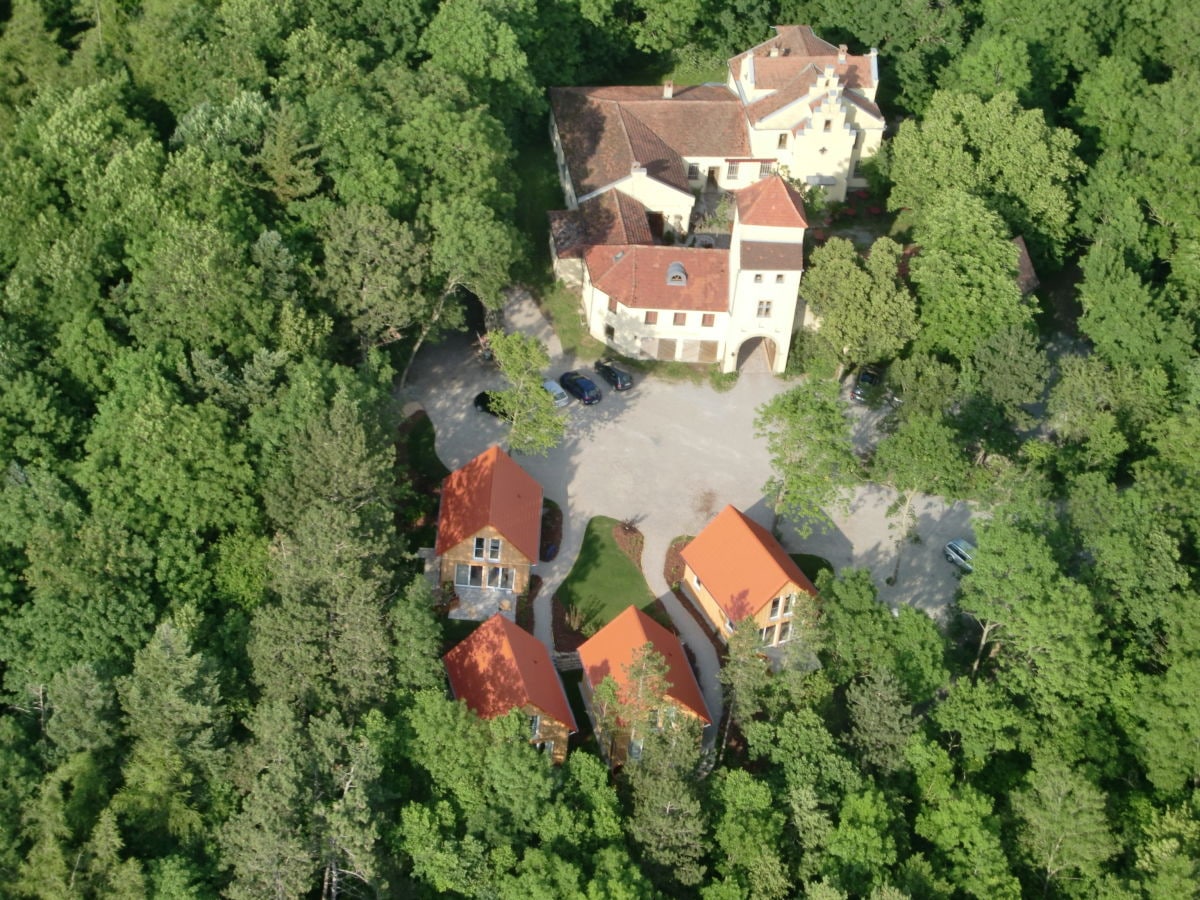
{"points": [[618, 378], [581, 387], [867, 379], [485, 401]]}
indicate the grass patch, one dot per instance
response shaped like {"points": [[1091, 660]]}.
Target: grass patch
{"points": [[689, 72], [722, 381], [539, 191], [561, 304], [603, 580], [672, 370], [810, 565]]}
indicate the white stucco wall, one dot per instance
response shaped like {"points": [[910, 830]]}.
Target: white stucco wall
{"points": [[674, 204]]}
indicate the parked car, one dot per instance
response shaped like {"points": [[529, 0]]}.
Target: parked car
{"points": [[618, 378], [579, 385], [868, 378], [485, 401], [961, 552], [556, 393]]}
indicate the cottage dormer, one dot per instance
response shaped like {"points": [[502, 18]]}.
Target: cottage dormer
{"points": [[677, 274]]}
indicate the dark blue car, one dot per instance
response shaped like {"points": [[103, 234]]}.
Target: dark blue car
{"points": [[618, 378], [580, 387]]}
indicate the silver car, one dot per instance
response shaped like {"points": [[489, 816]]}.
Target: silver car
{"points": [[556, 393], [961, 552]]}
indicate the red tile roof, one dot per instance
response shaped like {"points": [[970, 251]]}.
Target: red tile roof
{"points": [[764, 256], [611, 649], [797, 47], [741, 565], [605, 130], [771, 201], [801, 60], [491, 490], [608, 218], [501, 667], [637, 277]]}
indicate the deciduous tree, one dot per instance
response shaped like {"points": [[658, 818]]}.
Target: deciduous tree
{"points": [[965, 275], [812, 458], [866, 313], [995, 150], [1066, 833], [536, 426]]}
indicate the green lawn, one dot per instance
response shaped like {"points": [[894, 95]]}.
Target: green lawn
{"points": [[603, 580], [561, 305], [537, 174]]}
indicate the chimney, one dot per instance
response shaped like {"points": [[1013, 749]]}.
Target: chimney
{"points": [[841, 53], [774, 52], [668, 90], [637, 168]]}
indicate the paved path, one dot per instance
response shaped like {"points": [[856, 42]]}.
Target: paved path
{"points": [[669, 455]]}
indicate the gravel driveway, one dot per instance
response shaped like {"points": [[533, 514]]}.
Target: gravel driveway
{"points": [[670, 455]]}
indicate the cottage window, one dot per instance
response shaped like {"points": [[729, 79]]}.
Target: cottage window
{"points": [[764, 169], [775, 607], [535, 727], [783, 141], [651, 317], [708, 320], [494, 549], [501, 577], [758, 278], [828, 125], [785, 632], [779, 279], [789, 605], [547, 747], [468, 576], [731, 171], [767, 635], [764, 309], [680, 318], [635, 749], [477, 553], [693, 172], [728, 624]]}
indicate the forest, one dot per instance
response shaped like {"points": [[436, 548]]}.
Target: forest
{"points": [[226, 227]]}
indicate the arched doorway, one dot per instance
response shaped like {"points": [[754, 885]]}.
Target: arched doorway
{"points": [[757, 354]]}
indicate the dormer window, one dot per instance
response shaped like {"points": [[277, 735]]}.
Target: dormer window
{"points": [[676, 274]]}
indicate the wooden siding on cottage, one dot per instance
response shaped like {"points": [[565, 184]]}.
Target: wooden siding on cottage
{"points": [[510, 557], [711, 610]]}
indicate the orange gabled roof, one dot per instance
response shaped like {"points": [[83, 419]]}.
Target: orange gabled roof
{"points": [[501, 667], [771, 201], [491, 490], [636, 276], [741, 565], [611, 649]]}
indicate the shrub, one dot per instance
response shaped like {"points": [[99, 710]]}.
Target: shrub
{"points": [[811, 355]]}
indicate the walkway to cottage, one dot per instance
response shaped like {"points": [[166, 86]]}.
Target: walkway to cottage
{"points": [[670, 455]]}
